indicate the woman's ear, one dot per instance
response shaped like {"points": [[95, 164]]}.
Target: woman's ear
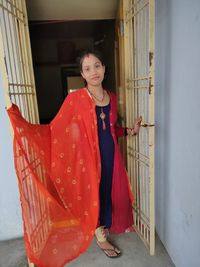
{"points": [[82, 75]]}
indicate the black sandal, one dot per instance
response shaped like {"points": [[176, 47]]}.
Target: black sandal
{"points": [[114, 249]]}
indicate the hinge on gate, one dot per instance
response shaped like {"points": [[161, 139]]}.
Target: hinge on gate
{"points": [[150, 58], [150, 86], [121, 27]]}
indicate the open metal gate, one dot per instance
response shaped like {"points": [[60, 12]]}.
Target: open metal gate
{"points": [[139, 84], [19, 87]]}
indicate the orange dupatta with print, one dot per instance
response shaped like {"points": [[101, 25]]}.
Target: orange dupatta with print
{"points": [[58, 167]]}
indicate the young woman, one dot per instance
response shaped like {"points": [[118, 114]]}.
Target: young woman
{"points": [[72, 180], [92, 70]]}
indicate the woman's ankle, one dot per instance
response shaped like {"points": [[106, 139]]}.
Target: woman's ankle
{"points": [[100, 234]]}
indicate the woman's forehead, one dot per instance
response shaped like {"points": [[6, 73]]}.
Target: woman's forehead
{"points": [[90, 59]]}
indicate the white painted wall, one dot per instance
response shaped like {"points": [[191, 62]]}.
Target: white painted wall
{"points": [[71, 10], [178, 129], [10, 210]]}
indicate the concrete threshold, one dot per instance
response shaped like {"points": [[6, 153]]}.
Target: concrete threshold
{"points": [[134, 254]]}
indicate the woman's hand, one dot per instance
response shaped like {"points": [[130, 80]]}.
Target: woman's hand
{"points": [[136, 129], [137, 125]]}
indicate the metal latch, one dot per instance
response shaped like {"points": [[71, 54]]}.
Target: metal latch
{"points": [[147, 125]]}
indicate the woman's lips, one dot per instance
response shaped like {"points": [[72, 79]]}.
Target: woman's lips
{"points": [[95, 78]]}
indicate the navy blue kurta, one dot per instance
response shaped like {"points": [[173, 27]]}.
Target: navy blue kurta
{"points": [[106, 146]]}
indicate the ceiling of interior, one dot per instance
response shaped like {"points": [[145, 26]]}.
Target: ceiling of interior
{"points": [[71, 9]]}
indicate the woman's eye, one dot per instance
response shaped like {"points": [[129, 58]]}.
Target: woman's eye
{"points": [[97, 66]]}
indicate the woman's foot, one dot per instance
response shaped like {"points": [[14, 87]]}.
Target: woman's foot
{"points": [[109, 249], [103, 243]]}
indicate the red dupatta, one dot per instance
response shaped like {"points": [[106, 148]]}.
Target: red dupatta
{"points": [[58, 169]]}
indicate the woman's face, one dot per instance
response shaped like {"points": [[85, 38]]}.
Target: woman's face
{"points": [[92, 70]]}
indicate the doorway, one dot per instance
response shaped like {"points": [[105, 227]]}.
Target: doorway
{"points": [[56, 47], [21, 84]]}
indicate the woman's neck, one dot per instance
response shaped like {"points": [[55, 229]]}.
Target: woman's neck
{"points": [[99, 95], [96, 90]]}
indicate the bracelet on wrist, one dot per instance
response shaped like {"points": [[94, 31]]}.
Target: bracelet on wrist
{"points": [[130, 131]]}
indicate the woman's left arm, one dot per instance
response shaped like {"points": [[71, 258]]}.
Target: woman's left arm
{"points": [[124, 131], [120, 131]]}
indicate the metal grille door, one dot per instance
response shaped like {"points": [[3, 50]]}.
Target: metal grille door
{"points": [[139, 77], [15, 49], [19, 88]]}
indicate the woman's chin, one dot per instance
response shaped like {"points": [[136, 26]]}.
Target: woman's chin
{"points": [[96, 83]]}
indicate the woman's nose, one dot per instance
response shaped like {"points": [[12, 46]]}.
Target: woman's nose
{"points": [[94, 71]]}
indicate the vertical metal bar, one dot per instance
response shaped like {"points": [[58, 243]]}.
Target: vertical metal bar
{"points": [[4, 73], [8, 56], [22, 49], [131, 91], [146, 118], [13, 19], [138, 67], [141, 141], [12, 46], [22, 41], [151, 130], [126, 49], [30, 65]]}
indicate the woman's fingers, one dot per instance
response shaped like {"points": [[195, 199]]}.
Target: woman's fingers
{"points": [[139, 120]]}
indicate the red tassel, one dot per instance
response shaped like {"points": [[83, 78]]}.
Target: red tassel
{"points": [[104, 125]]}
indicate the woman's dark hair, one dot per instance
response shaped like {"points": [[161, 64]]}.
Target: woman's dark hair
{"points": [[85, 53]]}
